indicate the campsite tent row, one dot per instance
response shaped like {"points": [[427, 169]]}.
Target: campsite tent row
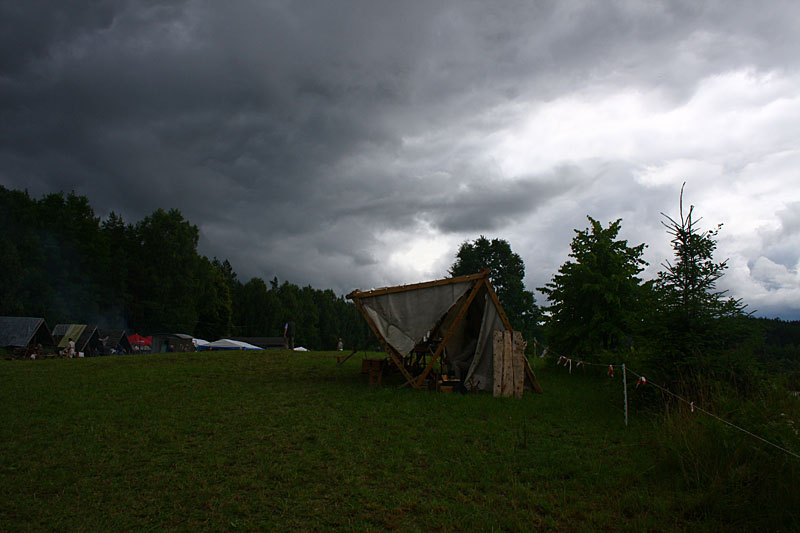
{"points": [[92, 340], [24, 334]]}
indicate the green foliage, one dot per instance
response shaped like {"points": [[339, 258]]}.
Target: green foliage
{"points": [[215, 303], [596, 299], [507, 272], [63, 263], [738, 479], [165, 276], [694, 322]]}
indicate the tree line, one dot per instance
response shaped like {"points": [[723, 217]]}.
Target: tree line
{"points": [[63, 263], [678, 325]]}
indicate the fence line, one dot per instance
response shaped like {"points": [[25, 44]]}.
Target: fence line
{"points": [[643, 381]]}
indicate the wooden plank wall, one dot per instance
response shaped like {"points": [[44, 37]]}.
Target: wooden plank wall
{"points": [[497, 361], [508, 364]]}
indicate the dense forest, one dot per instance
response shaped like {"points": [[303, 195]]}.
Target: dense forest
{"points": [[63, 263]]}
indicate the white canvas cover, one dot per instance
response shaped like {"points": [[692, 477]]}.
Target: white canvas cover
{"points": [[230, 344], [404, 318], [481, 371]]}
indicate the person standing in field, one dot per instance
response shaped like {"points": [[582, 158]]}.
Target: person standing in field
{"points": [[288, 334], [340, 345], [71, 348]]}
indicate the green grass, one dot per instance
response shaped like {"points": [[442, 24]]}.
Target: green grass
{"points": [[267, 440]]}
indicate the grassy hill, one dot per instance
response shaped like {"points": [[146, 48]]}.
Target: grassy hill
{"points": [[267, 440]]}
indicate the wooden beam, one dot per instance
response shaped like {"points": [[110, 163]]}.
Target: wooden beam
{"points": [[416, 286], [508, 369], [500, 311], [461, 314], [497, 363], [532, 376]]}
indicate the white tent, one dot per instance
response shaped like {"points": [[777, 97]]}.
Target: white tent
{"points": [[199, 343], [229, 344]]}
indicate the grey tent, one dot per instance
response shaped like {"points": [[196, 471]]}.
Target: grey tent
{"points": [[114, 341], [451, 321], [24, 333]]}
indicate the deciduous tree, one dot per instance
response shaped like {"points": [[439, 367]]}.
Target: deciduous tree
{"points": [[595, 298], [507, 272]]}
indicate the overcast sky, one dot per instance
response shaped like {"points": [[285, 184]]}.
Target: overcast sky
{"points": [[356, 144]]}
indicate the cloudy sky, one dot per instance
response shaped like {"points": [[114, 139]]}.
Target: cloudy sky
{"points": [[356, 144]]}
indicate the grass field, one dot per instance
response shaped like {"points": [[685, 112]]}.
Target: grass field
{"points": [[268, 440]]}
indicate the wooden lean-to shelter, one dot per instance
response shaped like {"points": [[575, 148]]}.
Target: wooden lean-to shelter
{"points": [[443, 331]]}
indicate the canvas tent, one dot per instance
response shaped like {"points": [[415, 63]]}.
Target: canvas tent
{"points": [[172, 342], [228, 344], [449, 322], [87, 338], [24, 333], [115, 341]]}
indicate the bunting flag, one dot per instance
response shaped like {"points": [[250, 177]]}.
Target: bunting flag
{"points": [[580, 363], [610, 370], [570, 365], [544, 352], [642, 381], [562, 358]]}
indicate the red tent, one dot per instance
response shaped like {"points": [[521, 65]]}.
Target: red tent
{"points": [[138, 340]]}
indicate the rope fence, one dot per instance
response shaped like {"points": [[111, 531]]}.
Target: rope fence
{"points": [[642, 381]]}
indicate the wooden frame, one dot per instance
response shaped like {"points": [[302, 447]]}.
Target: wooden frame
{"points": [[481, 280]]}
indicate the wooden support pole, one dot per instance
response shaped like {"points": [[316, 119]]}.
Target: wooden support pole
{"points": [[625, 392], [532, 377]]}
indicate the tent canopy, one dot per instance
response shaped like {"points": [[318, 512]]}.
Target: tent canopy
{"points": [[86, 337], [20, 332], [228, 344], [138, 340], [115, 340], [450, 319]]}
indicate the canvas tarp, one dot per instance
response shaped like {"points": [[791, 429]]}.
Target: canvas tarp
{"points": [[114, 340], [404, 316], [64, 332], [228, 344], [19, 332]]}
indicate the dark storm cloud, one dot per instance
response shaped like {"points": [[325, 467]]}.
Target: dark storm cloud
{"points": [[295, 135]]}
